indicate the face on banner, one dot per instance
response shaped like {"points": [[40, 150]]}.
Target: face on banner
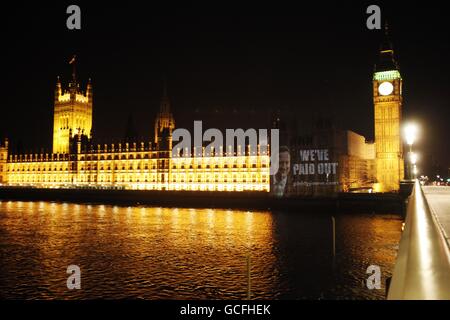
{"points": [[281, 180], [300, 173], [285, 163]]}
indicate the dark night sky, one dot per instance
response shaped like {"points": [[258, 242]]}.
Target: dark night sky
{"points": [[226, 64]]}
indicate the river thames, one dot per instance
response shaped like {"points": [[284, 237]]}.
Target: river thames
{"points": [[174, 253]]}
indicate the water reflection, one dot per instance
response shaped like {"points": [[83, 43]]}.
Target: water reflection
{"points": [[174, 253]]}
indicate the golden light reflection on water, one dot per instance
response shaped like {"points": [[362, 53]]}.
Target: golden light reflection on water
{"points": [[365, 240], [129, 251], [175, 253]]}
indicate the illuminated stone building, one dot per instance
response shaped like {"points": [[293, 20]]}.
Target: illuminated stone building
{"points": [[72, 113], [356, 164], [361, 165], [351, 155], [4, 161], [387, 98], [76, 162]]}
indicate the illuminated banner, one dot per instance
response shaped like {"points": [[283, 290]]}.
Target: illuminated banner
{"points": [[305, 172], [315, 162]]}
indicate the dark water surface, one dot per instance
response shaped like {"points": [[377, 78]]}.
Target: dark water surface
{"points": [[169, 253]]}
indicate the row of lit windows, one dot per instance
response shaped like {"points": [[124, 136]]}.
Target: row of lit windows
{"points": [[126, 178], [36, 158], [121, 157], [225, 165], [124, 156], [116, 168], [132, 166], [180, 178], [65, 157], [121, 180], [217, 180], [241, 159], [14, 168], [215, 187], [19, 169], [39, 179]]}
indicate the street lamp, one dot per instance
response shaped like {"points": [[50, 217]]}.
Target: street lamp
{"points": [[413, 160], [411, 131]]}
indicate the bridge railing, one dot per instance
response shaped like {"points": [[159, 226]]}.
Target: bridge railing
{"points": [[422, 269]]}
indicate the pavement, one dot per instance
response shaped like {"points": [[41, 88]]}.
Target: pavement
{"points": [[438, 199]]}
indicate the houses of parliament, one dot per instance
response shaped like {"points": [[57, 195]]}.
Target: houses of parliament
{"points": [[76, 162]]}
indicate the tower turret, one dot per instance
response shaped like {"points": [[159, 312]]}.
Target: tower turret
{"points": [[72, 112], [89, 91], [58, 90]]}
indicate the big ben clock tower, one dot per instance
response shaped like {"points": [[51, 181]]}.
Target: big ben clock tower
{"points": [[387, 98]]}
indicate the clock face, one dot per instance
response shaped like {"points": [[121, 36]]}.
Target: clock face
{"points": [[385, 88]]}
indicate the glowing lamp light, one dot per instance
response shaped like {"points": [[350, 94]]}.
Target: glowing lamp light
{"points": [[413, 158], [411, 133]]}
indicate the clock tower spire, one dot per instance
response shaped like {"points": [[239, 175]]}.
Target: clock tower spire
{"points": [[386, 59], [387, 98]]}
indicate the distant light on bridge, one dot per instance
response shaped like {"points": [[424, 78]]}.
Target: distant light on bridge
{"points": [[413, 158]]}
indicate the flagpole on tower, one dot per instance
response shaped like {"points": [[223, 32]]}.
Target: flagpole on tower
{"points": [[73, 63]]}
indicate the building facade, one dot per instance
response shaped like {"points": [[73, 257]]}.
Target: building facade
{"points": [[358, 166], [387, 99], [330, 160], [76, 162], [72, 113], [342, 161]]}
